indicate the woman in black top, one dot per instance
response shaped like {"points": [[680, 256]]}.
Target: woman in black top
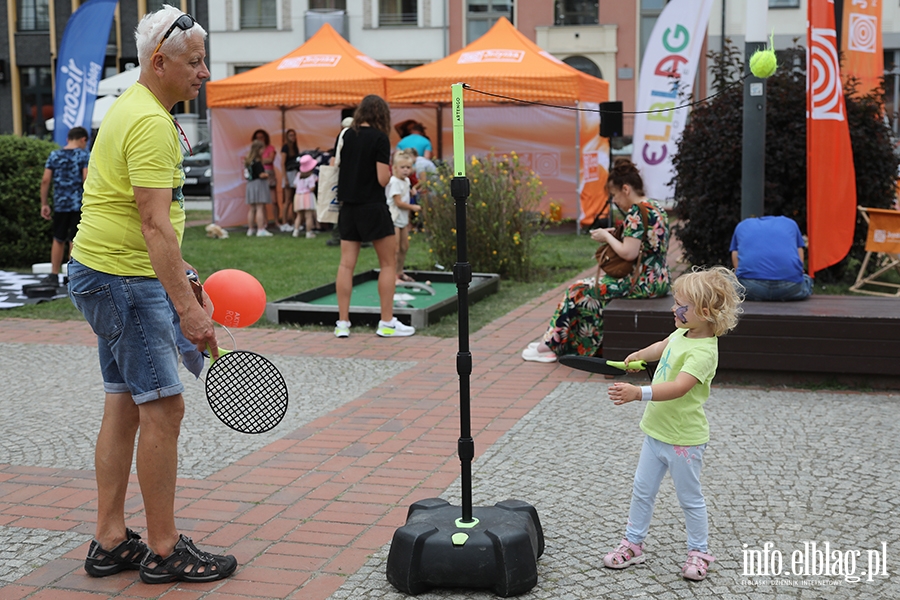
{"points": [[364, 217], [291, 154]]}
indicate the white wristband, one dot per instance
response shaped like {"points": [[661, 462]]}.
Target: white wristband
{"points": [[646, 393]]}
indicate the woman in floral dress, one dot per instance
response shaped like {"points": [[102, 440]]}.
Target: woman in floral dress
{"points": [[577, 325]]}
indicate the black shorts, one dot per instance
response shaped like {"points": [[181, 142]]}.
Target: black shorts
{"points": [[65, 224], [365, 222]]}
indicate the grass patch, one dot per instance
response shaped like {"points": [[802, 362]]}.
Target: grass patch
{"points": [[286, 266]]}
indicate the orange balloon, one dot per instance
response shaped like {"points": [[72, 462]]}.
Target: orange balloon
{"points": [[238, 298]]}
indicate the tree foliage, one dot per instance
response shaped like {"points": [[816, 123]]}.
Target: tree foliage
{"points": [[24, 236], [708, 163]]}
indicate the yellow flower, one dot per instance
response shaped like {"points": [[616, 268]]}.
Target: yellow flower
{"points": [[483, 205], [430, 251], [474, 160], [495, 252], [475, 180]]}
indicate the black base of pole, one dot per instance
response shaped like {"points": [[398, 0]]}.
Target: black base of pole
{"points": [[497, 551]]}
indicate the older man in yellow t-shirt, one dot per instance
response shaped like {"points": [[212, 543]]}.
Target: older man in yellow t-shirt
{"points": [[128, 278]]}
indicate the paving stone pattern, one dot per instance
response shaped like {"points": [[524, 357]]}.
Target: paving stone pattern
{"points": [[782, 467], [309, 513], [53, 421]]}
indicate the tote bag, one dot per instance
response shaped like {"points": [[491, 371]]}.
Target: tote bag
{"points": [[327, 206]]}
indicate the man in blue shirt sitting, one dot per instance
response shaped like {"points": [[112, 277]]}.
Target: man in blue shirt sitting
{"points": [[767, 253]]}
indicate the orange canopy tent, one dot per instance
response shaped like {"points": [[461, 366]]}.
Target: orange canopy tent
{"points": [[306, 91], [502, 61], [326, 70], [562, 145]]}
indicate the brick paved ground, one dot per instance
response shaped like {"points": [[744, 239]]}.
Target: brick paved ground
{"points": [[309, 511]]}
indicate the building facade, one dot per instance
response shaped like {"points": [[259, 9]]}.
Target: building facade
{"points": [[602, 37], [30, 34]]}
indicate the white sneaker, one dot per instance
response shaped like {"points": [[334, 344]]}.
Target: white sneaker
{"points": [[394, 329], [286, 227], [251, 232], [296, 233], [533, 355], [342, 329], [310, 235], [263, 233]]}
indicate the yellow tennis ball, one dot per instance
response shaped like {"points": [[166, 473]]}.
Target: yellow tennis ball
{"points": [[763, 63]]}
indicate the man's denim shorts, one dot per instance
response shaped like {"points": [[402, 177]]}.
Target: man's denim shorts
{"points": [[133, 320]]}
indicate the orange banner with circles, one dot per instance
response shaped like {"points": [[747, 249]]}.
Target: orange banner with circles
{"points": [[861, 44], [830, 176]]}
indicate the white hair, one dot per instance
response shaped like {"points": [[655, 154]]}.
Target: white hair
{"points": [[153, 27]]}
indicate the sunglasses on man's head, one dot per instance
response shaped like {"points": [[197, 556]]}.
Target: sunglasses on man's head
{"points": [[184, 22]]}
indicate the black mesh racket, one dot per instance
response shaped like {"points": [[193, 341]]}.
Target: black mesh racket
{"points": [[595, 364], [246, 391]]}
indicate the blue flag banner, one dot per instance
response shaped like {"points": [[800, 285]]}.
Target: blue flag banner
{"points": [[79, 66]]}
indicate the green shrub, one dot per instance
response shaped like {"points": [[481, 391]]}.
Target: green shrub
{"points": [[501, 216], [708, 164], [24, 236]]}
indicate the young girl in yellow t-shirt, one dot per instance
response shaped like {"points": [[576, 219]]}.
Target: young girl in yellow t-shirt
{"points": [[707, 305]]}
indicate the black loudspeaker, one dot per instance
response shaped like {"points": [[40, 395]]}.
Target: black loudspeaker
{"points": [[611, 119]]}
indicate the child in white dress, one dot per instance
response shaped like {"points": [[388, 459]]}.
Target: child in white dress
{"points": [[397, 192]]}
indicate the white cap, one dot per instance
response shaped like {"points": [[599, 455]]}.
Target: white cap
{"points": [[347, 122]]}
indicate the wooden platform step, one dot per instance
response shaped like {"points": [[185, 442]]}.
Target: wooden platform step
{"points": [[827, 336]]}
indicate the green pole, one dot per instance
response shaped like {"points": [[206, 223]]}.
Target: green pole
{"points": [[459, 132]]}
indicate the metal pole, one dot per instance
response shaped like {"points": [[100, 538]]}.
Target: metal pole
{"points": [[462, 275], [753, 163]]}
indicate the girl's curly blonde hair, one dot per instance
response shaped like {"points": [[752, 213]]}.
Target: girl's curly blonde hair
{"points": [[715, 294]]}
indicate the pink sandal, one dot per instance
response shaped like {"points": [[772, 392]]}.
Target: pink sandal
{"points": [[697, 565], [625, 555]]}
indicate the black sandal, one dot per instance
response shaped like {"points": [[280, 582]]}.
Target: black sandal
{"points": [[127, 555], [186, 563]]}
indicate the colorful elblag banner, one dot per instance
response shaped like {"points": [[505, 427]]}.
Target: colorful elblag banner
{"points": [[861, 45], [830, 176], [668, 70], [79, 66]]}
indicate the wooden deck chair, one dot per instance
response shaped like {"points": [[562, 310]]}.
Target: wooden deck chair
{"points": [[882, 241]]}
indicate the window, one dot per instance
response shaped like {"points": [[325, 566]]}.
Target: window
{"points": [[244, 68], [585, 65], [576, 12], [650, 11], [34, 15], [258, 14], [37, 99], [327, 4], [784, 3], [481, 14], [392, 13]]}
